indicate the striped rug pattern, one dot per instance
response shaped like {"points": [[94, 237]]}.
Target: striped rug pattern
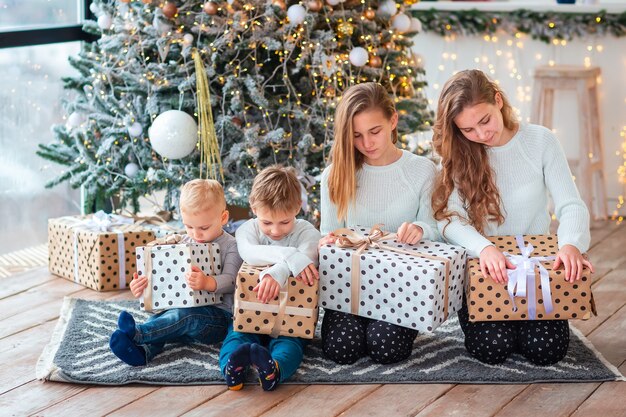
{"points": [[23, 260], [78, 352]]}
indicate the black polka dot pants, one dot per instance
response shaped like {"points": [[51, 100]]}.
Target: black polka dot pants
{"points": [[543, 342], [346, 338]]}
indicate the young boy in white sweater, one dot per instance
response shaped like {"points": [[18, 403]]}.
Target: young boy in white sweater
{"points": [[275, 237]]}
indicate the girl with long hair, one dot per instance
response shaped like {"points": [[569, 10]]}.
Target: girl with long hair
{"points": [[371, 181], [495, 179]]}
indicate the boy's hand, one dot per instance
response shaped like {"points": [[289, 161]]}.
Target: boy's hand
{"points": [[571, 259], [494, 264], [329, 239], [138, 284], [409, 233], [267, 289], [308, 275], [198, 281]]}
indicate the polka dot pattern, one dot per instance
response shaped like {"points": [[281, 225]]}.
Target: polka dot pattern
{"points": [[98, 253], [489, 301], [400, 289], [299, 295], [170, 264]]}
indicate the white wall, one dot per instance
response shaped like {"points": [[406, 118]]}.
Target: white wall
{"points": [[512, 61]]}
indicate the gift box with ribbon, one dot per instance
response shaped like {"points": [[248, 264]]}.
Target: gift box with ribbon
{"points": [[368, 273], [294, 313], [534, 291], [166, 267], [97, 251]]}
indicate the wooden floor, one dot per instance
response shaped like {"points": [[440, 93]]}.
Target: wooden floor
{"points": [[30, 303]]}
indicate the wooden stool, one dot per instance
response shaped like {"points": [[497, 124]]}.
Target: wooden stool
{"points": [[590, 162]]}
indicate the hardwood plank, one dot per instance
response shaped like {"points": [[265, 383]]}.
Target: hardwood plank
{"points": [[50, 291], [97, 401], [251, 401], [21, 282], [610, 338], [20, 352], [602, 230], [608, 400], [473, 400], [322, 400], [552, 400], [408, 399], [609, 253], [167, 401], [609, 295], [37, 395]]}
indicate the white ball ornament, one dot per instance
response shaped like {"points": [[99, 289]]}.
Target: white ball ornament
{"points": [[388, 7], [135, 130], [416, 25], [105, 22], [358, 56], [296, 14], [334, 2], [173, 134], [131, 169], [74, 120], [401, 23]]}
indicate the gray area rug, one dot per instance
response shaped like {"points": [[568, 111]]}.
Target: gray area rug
{"points": [[79, 352]]}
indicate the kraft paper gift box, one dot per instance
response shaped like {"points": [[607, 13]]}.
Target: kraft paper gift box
{"points": [[96, 251], [166, 267], [294, 313], [370, 274], [534, 291]]}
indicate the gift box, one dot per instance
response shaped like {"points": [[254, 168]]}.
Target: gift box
{"points": [[534, 291], [294, 312], [97, 251], [166, 267], [368, 273]]}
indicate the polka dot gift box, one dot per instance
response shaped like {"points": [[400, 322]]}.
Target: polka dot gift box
{"points": [[533, 291], [96, 251], [370, 274], [293, 313], [166, 267]]}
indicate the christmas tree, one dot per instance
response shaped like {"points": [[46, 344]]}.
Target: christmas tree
{"points": [[275, 72]]}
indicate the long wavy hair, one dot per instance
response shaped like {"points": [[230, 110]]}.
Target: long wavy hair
{"points": [[465, 164], [346, 159]]}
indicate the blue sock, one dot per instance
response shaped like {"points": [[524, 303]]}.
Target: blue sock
{"points": [[266, 366], [126, 323], [235, 371], [126, 349]]}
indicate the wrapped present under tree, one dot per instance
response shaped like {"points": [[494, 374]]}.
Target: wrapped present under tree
{"points": [[96, 251]]}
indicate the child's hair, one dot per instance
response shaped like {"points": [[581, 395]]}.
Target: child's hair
{"points": [[200, 195], [344, 156], [465, 164], [276, 188]]}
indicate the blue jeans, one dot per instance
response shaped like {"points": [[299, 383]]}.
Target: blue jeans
{"points": [[287, 351], [206, 324]]}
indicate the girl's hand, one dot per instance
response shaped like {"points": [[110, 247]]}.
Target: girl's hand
{"points": [[267, 289], [409, 233], [494, 264], [138, 284], [571, 259], [329, 239], [308, 275]]}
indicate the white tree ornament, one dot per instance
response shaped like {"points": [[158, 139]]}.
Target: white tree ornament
{"points": [[173, 134], [358, 56], [296, 14]]}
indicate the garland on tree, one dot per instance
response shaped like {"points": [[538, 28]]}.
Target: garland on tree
{"points": [[544, 26], [275, 71]]}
